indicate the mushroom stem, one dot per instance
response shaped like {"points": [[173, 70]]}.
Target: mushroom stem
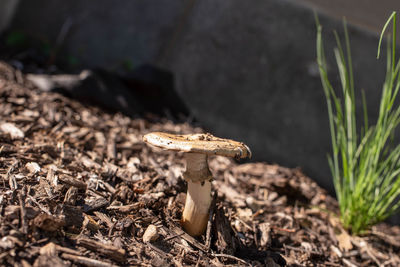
{"points": [[198, 197]]}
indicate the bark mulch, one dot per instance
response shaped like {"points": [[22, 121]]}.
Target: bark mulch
{"points": [[79, 188]]}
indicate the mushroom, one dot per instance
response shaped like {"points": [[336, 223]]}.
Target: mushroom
{"points": [[197, 147]]}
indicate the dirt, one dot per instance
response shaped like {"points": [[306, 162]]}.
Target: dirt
{"points": [[80, 188]]}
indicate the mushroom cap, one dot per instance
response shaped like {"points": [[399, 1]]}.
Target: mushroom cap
{"points": [[199, 143]]}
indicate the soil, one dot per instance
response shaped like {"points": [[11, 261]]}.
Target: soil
{"points": [[80, 188]]}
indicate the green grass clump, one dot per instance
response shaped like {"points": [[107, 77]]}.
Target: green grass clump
{"points": [[365, 163]]}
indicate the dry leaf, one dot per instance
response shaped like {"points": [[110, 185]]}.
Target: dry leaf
{"points": [[343, 237], [344, 240]]}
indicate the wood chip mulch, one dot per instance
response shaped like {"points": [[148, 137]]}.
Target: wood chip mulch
{"points": [[79, 188]]}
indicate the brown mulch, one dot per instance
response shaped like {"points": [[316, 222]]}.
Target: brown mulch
{"points": [[80, 188]]}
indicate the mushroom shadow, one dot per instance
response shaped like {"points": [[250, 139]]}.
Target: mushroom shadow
{"points": [[226, 241], [145, 90]]}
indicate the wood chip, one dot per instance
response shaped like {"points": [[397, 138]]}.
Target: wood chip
{"points": [[48, 222], [95, 204], [104, 218], [265, 229], [49, 261], [127, 208], [117, 254], [72, 181], [104, 187]]}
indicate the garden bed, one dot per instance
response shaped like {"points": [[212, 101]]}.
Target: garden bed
{"points": [[79, 187]]}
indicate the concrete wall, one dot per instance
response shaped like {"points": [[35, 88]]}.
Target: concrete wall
{"points": [[7, 9], [102, 33], [248, 71], [246, 68], [366, 14]]}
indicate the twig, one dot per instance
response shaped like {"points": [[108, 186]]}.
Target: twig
{"points": [[255, 235], [111, 150], [328, 263], [11, 178], [11, 168], [127, 208], [372, 256], [12, 182], [231, 257], [209, 224], [283, 229], [86, 261], [188, 238], [172, 237], [363, 245], [159, 251], [8, 174], [45, 210], [199, 259], [299, 249], [51, 249], [386, 238], [104, 218], [109, 187], [66, 179], [117, 254], [348, 263], [389, 261], [67, 250], [21, 199]]}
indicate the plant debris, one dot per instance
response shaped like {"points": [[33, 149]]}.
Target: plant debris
{"points": [[79, 187]]}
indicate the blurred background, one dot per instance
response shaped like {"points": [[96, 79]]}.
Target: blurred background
{"points": [[240, 69]]}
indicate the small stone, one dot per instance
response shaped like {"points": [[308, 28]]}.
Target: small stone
{"points": [[151, 234], [50, 250], [12, 130], [32, 167]]}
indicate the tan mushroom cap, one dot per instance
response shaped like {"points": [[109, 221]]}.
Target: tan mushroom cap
{"points": [[199, 143]]}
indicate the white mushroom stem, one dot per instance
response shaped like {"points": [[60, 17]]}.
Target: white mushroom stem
{"points": [[198, 198]]}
